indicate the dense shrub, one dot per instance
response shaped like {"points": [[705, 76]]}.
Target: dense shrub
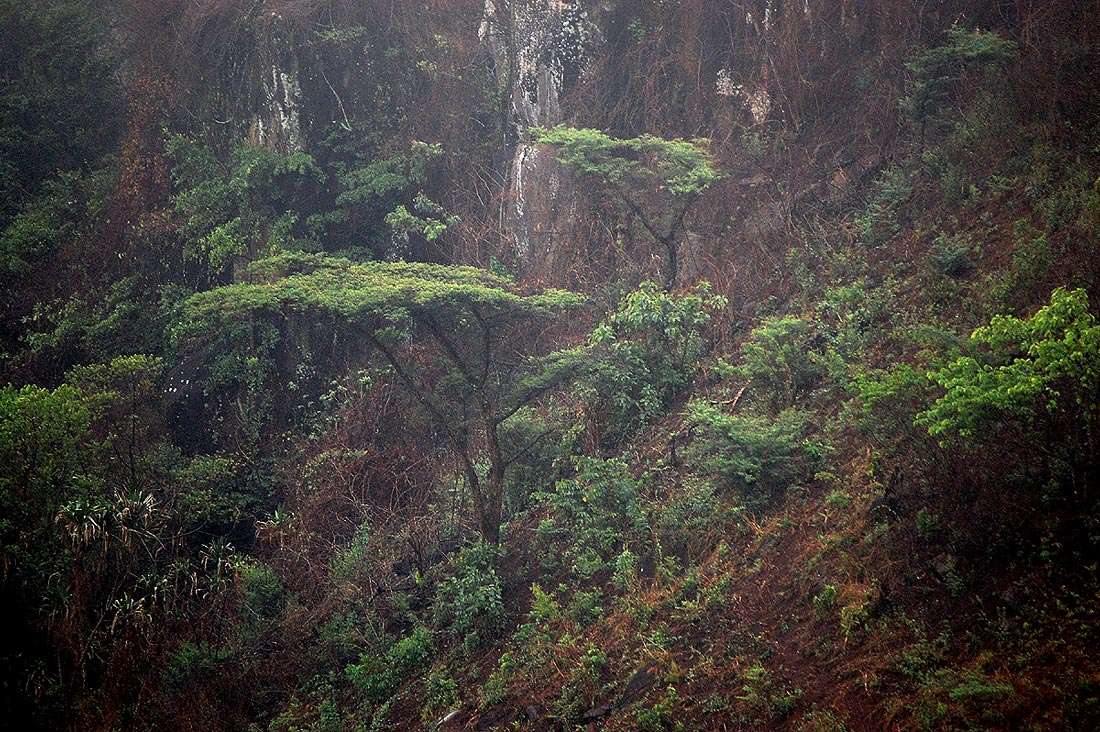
{"points": [[194, 662], [49, 457], [937, 71], [757, 456], [377, 677], [591, 518], [468, 605], [1045, 365], [643, 355], [778, 360]]}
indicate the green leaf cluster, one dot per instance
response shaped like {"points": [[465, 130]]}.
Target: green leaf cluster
{"points": [[678, 167], [644, 353], [937, 71], [1045, 364]]}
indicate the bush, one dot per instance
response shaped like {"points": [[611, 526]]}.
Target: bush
{"points": [[691, 516], [1045, 365], [441, 694], [48, 456], [953, 254], [468, 605], [643, 355], [591, 518], [937, 71], [263, 595], [778, 360], [378, 677], [756, 456], [194, 661], [537, 444]]}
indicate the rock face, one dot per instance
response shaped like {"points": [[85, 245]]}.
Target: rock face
{"points": [[277, 122], [539, 48]]}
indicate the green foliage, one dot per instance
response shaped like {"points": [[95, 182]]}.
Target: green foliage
{"points": [[382, 189], [49, 457], [441, 694], [1032, 260], [878, 223], [591, 518], [381, 296], [468, 605], [825, 600], [378, 677], [821, 721], [476, 321], [351, 561], [953, 254], [643, 355], [691, 516], [765, 697], [889, 399], [64, 209], [247, 207], [193, 662], [965, 698], [1048, 364], [661, 717], [682, 167], [540, 450], [263, 594], [580, 689], [60, 104], [220, 495], [779, 361], [430, 221], [937, 71], [757, 456]]}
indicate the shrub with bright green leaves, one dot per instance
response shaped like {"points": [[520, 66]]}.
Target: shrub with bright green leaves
{"points": [[441, 694], [378, 677], [779, 361], [759, 457], [591, 518], [468, 605], [889, 399], [1046, 366], [644, 354]]}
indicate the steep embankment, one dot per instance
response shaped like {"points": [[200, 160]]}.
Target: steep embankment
{"points": [[302, 437]]}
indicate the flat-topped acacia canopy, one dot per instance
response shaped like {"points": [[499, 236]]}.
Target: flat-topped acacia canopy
{"points": [[471, 315], [370, 294]]}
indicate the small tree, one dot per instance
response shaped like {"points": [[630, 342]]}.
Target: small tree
{"points": [[937, 71], [656, 181], [479, 371], [1041, 373]]}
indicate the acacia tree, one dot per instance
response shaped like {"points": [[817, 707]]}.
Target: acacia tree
{"points": [[480, 368], [656, 181]]}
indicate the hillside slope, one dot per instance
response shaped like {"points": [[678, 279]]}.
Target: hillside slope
{"points": [[550, 365]]}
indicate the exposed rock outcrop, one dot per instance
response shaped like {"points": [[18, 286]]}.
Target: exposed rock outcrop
{"points": [[277, 122], [539, 48]]}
